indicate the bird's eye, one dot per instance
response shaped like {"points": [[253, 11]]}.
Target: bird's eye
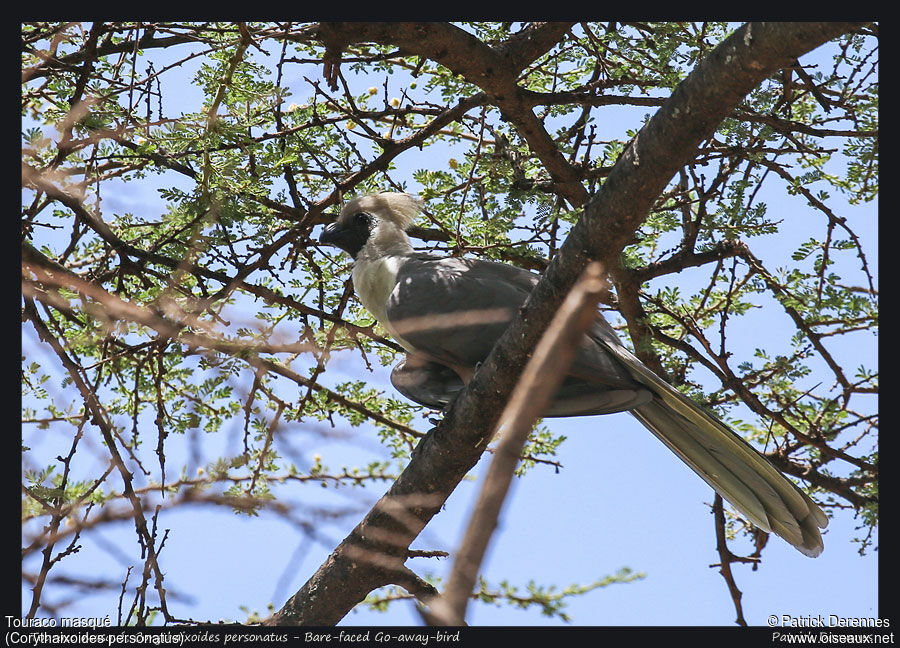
{"points": [[361, 218]]}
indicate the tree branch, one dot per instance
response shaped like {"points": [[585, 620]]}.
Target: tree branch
{"points": [[726, 558], [494, 70]]}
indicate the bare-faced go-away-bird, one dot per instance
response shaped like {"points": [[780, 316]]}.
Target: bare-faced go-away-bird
{"points": [[448, 313]]}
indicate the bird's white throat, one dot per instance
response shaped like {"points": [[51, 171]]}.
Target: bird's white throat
{"points": [[373, 282], [375, 271]]}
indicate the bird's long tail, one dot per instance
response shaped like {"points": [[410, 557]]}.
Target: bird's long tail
{"points": [[734, 468]]}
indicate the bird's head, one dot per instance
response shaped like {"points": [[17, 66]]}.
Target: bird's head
{"points": [[378, 220]]}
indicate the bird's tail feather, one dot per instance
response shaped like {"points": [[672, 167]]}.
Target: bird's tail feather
{"points": [[734, 468]]}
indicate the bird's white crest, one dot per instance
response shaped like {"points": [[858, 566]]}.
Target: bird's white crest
{"points": [[395, 207]]}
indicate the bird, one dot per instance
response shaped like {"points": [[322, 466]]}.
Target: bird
{"points": [[448, 312]]}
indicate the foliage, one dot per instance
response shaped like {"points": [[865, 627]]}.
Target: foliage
{"points": [[173, 177]]}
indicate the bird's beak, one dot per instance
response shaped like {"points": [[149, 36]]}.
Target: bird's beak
{"points": [[350, 239], [331, 235]]}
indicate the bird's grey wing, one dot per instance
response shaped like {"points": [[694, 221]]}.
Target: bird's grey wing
{"points": [[453, 311]]}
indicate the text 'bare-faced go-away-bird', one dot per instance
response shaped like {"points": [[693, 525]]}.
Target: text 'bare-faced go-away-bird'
{"points": [[448, 313]]}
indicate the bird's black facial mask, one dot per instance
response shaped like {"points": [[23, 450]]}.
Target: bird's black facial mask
{"points": [[350, 237]]}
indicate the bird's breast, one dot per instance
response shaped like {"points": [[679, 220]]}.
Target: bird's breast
{"points": [[373, 282]]}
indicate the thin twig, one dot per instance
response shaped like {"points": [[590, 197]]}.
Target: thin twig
{"points": [[726, 558]]}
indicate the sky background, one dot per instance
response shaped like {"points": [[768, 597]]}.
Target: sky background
{"points": [[621, 499]]}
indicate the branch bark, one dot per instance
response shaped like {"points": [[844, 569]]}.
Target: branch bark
{"points": [[493, 69], [372, 555], [725, 560]]}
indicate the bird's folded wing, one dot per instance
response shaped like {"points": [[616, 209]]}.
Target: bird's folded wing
{"points": [[454, 310]]}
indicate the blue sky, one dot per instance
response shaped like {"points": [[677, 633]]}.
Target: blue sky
{"points": [[620, 500]]}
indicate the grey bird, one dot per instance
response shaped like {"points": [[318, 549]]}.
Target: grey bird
{"points": [[449, 312]]}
